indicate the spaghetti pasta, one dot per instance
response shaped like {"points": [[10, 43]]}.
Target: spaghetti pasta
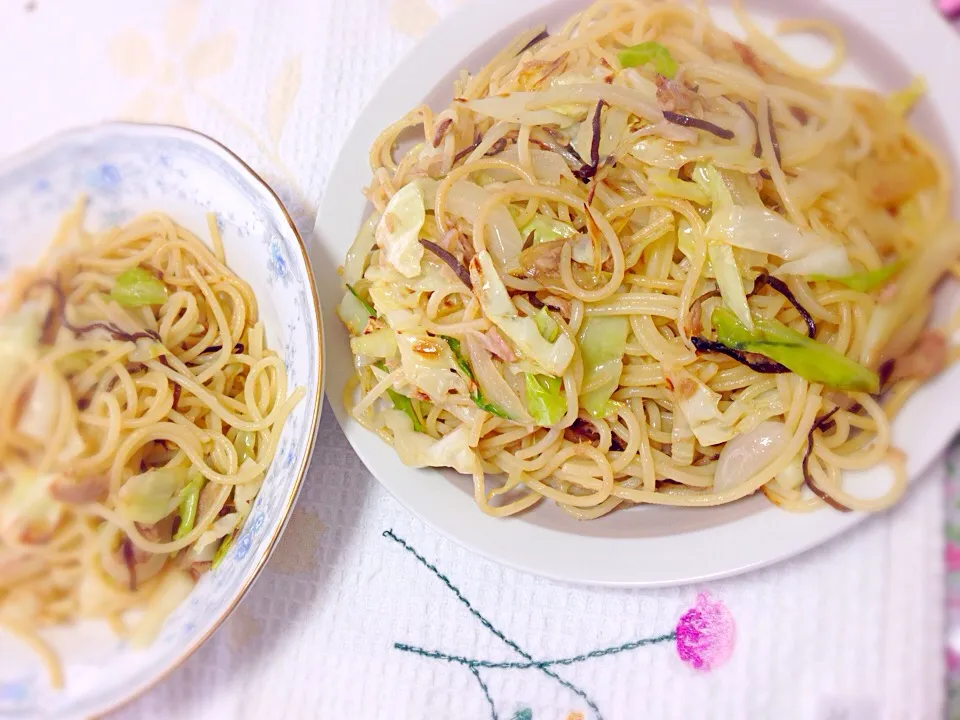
{"points": [[641, 261], [139, 413]]}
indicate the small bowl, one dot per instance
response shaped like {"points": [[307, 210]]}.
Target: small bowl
{"points": [[125, 170]]}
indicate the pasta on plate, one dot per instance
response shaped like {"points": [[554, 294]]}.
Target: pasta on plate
{"points": [[139, 413], [642, 261]]}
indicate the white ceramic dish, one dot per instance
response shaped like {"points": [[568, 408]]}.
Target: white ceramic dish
{"points": [[645, 546], [126, 170]]}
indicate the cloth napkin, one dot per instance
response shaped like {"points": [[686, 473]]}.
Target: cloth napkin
{"points": [[366, 613]]}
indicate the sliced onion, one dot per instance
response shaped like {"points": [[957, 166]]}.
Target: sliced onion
{"points": [[549, 167], [913, 287], [495, 389], [503, 240], [359, 252], [513, 108], [746, 455]]}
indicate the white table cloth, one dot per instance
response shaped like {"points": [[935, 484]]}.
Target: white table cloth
{"points": [[852, 630]]}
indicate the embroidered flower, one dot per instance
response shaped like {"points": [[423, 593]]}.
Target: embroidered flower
{"points": [[953, 557], [278, 263], [170, 69], [706, 634], [104, 178]]}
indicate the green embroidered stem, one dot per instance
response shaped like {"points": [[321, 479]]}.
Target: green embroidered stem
{"points": [[473, 663], [489, 626], [486, 693]]}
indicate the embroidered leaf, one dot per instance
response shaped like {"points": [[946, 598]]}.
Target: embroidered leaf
{"points": [[176, 111], [142, 107], [412, 17], [130, 54], [212, 57], [283, 93], [180, 23], [523, 714]]}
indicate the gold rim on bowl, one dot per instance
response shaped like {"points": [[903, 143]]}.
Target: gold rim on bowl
{"points": [[314, 423]]}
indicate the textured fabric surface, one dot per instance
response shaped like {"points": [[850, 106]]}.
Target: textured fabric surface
{"points": [[852, 630]]}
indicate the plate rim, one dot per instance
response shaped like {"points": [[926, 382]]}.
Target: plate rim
{"points": [[78, 134], [468, 29]]}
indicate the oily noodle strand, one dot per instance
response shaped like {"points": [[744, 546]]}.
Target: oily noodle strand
{"points": [[188, 386], [805, 148]]}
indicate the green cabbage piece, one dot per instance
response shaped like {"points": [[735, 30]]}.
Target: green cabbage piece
{"points": [[546, 402], [545, 229], [137, 287], [808, 358], [868, 280], [602, 341], [153, 495], [652, 53]]}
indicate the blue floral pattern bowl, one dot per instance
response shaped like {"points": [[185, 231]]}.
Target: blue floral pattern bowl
{"points": [[125, 170]]}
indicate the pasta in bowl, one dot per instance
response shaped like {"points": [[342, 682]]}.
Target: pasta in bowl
{"points": [[155, 422], [638, 261]]}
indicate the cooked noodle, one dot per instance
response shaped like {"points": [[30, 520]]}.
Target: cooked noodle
{"points": [[140, 412], [677, 211]]}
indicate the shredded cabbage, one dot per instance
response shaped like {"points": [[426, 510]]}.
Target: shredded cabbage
{"points": [[545, 229], [245, 443], [398, 232], [665, 184], [652, 53], [418, 450], [40, 412], [547, 326], [903, 101], [553, 357], [28, 509], [151, 496], [913, 288], [222, 551], [405, 405], [868, 280], [137, 287], [429, 365], [808, 358], [354, 312], [602, 341], [700, 407], [546, 401], [377, 344], [760, 229], [189, 500], [359, 252], [220, 528], [19, 342], [723, 262]]}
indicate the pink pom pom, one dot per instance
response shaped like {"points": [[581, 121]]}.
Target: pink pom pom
{"points": [[950, 8], [706, 634]]}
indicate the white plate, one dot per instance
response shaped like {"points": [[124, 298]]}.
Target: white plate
{"points": [[643, 546], [127, 170]]}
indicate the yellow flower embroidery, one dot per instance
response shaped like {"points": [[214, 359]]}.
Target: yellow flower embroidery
{"points": [[412, 17], [170, 75]]}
